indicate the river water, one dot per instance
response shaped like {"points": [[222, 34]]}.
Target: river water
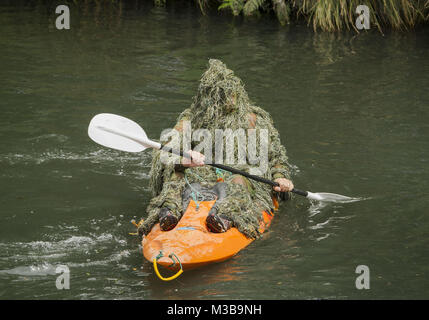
{"points": [[352, 111]]}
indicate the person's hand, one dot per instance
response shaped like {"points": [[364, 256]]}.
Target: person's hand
{"points": [[285, 185], [197, 159]]}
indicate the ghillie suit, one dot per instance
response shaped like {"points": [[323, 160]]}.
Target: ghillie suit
{"points": [[221, 103]]}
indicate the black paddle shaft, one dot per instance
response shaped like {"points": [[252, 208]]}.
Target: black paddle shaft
{"points": [[233, 170]]}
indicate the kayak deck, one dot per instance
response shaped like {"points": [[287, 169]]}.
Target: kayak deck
{"points": [[192, 243]]}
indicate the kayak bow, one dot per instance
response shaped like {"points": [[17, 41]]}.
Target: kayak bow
{"points": [[192, 244]]}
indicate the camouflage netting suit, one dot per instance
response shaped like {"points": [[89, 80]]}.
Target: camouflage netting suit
{"points": [[221, 103]]}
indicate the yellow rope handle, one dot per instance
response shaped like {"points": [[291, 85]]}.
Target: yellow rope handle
{"points": [[155, 266]]}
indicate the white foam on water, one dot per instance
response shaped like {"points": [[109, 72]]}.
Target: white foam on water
{"points": [[114, 257], [316, 207], [98, 156], [33, 270], [322, 227], [40, 258]]}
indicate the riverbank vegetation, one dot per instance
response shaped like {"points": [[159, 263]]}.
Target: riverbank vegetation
{"points": [[334, 15], [323, 15], [327, 15]]}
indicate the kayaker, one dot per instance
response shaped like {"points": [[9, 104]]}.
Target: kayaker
{"points": [[221, 103]]}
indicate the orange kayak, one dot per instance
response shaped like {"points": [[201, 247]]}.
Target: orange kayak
{"points": [[192, 244]]}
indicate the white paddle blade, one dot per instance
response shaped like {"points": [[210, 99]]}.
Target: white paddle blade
{"points": [[331, 197], [116, 132]]}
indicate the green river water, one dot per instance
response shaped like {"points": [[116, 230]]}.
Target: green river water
{"points": [[352, 111]]}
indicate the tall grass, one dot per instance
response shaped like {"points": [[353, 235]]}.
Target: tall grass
{"points": [[333, 15]]}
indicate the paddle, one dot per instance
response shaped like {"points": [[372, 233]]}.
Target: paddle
{"points": [[123, 134]]}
